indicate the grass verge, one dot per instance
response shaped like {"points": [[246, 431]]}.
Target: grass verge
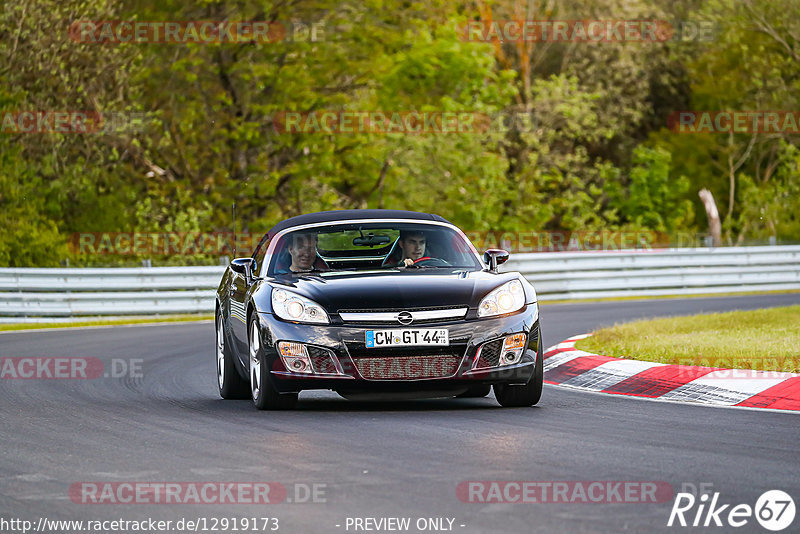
{"points": [[767, 340], [107, 322]]}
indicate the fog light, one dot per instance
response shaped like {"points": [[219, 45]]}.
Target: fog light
{"points": [[295, 357], [296, 365], [513, 346]]}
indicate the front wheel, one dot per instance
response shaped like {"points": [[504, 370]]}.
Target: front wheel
{"points": [[231, 384], [264, 395], [524, 395]]}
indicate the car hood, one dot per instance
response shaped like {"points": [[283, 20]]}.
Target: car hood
{"points": [[376, 290]]}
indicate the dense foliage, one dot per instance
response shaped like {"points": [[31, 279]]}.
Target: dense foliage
{"points": [[595, 151]]}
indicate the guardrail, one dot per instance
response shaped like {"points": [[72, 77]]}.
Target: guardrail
{"points": [[26, 294], [633, 273], [113, 291]]}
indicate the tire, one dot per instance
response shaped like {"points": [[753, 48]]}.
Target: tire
{"points": [[263, 393], [523, 395], [230, 383], [481, 390]]}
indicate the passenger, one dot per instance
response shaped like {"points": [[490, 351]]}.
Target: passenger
{"points": [[303, 251]]}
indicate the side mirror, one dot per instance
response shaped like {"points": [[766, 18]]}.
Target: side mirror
{"points": [[494, 257], [244, 266]]}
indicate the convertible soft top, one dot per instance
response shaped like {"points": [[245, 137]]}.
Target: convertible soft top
{"points": [[343, 215]]}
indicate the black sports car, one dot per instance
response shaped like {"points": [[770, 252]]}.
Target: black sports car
{"points": [[375, 303]]}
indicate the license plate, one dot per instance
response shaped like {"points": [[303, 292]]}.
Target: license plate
{"points": [[407, 337]]}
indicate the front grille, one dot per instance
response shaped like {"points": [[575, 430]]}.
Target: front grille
{"points": [[457, 348], [490, 354], [408, 367], [321, 360]]}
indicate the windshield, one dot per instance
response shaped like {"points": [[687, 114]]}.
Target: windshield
{"points": [[367, 246]]}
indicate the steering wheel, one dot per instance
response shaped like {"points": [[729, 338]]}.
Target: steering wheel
{"points": [[427, 261]]}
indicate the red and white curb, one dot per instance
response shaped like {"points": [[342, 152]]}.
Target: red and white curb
{"points": [[564, 365]]}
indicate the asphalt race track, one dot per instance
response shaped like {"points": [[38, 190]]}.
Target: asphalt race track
{"points": [[401, 459]]}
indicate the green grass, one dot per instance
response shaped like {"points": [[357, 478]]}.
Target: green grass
{"points": [[108, 322], [767, 340]]}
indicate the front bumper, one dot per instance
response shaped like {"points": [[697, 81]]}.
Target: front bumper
{"points": [[346, 343]]}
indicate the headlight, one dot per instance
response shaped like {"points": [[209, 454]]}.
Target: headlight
{"points": [[507, 298], [292, 307]]}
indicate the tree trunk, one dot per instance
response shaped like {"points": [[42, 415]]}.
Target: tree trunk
{"points": [[714, 225]]}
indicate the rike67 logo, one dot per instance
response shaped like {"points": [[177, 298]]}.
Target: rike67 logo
{"points": [[774, 510]]}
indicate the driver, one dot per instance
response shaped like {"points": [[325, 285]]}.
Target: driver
{"points": [[303, 251], [412, 243]]}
